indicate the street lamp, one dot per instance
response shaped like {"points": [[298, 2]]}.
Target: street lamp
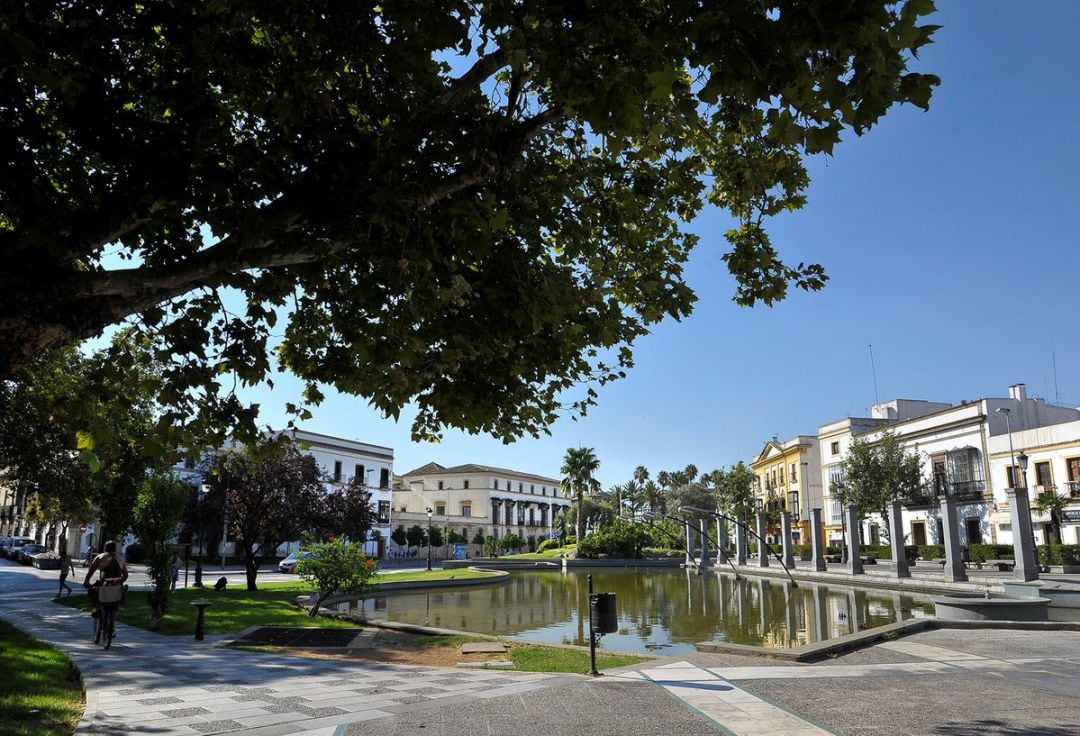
{"points": [[429, 512], [1012, 457]]}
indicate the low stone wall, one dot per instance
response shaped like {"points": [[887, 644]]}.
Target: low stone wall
{"points": [[498, 577]]}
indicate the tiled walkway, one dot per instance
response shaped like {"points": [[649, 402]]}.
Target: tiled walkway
{"points": [[730, 707], [149, 684]]}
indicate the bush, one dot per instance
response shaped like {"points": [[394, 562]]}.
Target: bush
{"points": [[618, 539], [335, 566], [570, 539], [135, 554], [877, 551], [834, 549], [931, 551], [803, 551], [548, 544], [479, 539], [984, 552], [1059, 554]]}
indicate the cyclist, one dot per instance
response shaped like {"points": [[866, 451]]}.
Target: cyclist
{"points": [[111, 570]]}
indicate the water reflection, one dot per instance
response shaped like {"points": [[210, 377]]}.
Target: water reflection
{"points": [[661, 610]]}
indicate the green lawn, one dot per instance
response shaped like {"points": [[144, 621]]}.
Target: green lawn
{"points": [[461, 573], [40, 694], [234, 609], [531, 658]]}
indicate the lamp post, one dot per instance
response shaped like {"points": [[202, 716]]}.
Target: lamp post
{"points": [[1012, 456], [429, 512]]}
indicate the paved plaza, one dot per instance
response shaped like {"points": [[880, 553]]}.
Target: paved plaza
{"points": [[941, 682]]}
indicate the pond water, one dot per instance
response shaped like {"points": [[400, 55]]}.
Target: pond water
{"points": [[664, 611]]}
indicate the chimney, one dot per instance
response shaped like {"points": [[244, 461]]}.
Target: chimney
{"points": [[1018, 392]]}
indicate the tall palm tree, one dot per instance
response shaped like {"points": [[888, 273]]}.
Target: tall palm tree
{"points": [[578, 467]]}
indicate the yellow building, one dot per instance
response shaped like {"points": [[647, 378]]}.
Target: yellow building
{"points": [[788, 477]]}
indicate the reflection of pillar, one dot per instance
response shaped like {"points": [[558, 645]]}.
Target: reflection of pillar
{"points": [[705, 562], [763, 605], [1025, 567], [785, 530], [762, 548], [789, 611], [854, 553], [817, 540], [954, 565], [853, 612], [740, 541], [896, 536], [821, 613], [721, 596]]}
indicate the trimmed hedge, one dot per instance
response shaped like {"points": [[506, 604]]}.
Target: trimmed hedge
{"points": [[548, 544], [931, 551], [984, 552], [1059, 554], [803, 551]]}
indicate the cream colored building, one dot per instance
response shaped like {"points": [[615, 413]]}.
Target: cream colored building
{"points": [[788, 477], [478, 498]]}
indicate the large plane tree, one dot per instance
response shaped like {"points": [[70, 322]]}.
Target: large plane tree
{"points": [[470, 205]]}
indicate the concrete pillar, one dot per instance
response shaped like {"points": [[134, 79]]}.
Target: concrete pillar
{"points": [[689, 544], [854, 563], [785, 530], [740, 541], [1026, 567], [817, 540], [705, 561], [762, 548], [721, 539], [896, 537], [954, 565]]}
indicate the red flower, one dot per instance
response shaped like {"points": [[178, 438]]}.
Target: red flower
{"points": [[370, 563], [331, 537]]}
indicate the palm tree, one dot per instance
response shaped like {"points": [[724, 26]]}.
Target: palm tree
{"points": [[1054, 505], [641, 474], [578, 467]]}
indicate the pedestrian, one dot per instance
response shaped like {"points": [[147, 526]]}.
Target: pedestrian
{"points": [[66, 568], [174, 570]]}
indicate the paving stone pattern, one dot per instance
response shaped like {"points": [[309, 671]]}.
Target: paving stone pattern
{"points": [[174, 686]]}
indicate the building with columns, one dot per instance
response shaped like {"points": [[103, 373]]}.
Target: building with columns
{"points": [[478, 498]]}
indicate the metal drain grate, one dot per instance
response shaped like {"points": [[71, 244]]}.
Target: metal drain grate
{"points": [[297, 637]]}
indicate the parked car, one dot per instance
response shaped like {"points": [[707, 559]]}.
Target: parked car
{"points": [[29, 550], [11, 549], [289, 563]]}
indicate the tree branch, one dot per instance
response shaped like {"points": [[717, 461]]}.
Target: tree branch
{"points": [[484, 67]]}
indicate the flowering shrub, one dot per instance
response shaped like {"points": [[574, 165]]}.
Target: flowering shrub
{"points": [[335, 566]]}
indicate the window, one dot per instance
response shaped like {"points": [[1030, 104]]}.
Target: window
{"points": [[1042, 475], [384, 512], [532, 488], [793, 504], [836, 479], [521, 487], [781, 475], [543, 490], [440, 509], [836, 513], [1072, 466], [359, 477], [466, 510], [337, 471], [794, 478], [965, 472], [440, 485], [834, 448], [465, 484], [1014, 477], [508, 485], [384, 478]]}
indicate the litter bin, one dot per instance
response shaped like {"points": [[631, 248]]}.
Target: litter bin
{"points": [[602, 614]]}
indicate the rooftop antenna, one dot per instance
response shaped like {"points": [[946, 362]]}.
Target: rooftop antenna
{"points": [[1057, 396], [873, 369]]}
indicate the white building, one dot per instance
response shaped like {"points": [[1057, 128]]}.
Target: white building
{"points": [[953, 444], [1053, 466], [478, 498]]}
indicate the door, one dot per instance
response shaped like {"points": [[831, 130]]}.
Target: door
{"points": [[918, 532], [973, 527]]}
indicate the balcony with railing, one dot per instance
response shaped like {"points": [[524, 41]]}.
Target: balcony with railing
{"points": [[967, 490]]}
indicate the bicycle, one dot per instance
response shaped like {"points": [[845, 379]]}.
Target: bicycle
{"points": [[110, 596]]}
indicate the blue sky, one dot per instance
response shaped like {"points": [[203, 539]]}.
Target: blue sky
{"points": [[951, 246]]}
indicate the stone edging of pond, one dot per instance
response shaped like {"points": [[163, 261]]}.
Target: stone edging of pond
{"points": [[498, 577], [495, 563], [867, 580], [859, 639]]}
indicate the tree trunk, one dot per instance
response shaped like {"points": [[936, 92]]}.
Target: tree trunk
{"points": [[580, 515], [251, 570], [318, 602]]}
